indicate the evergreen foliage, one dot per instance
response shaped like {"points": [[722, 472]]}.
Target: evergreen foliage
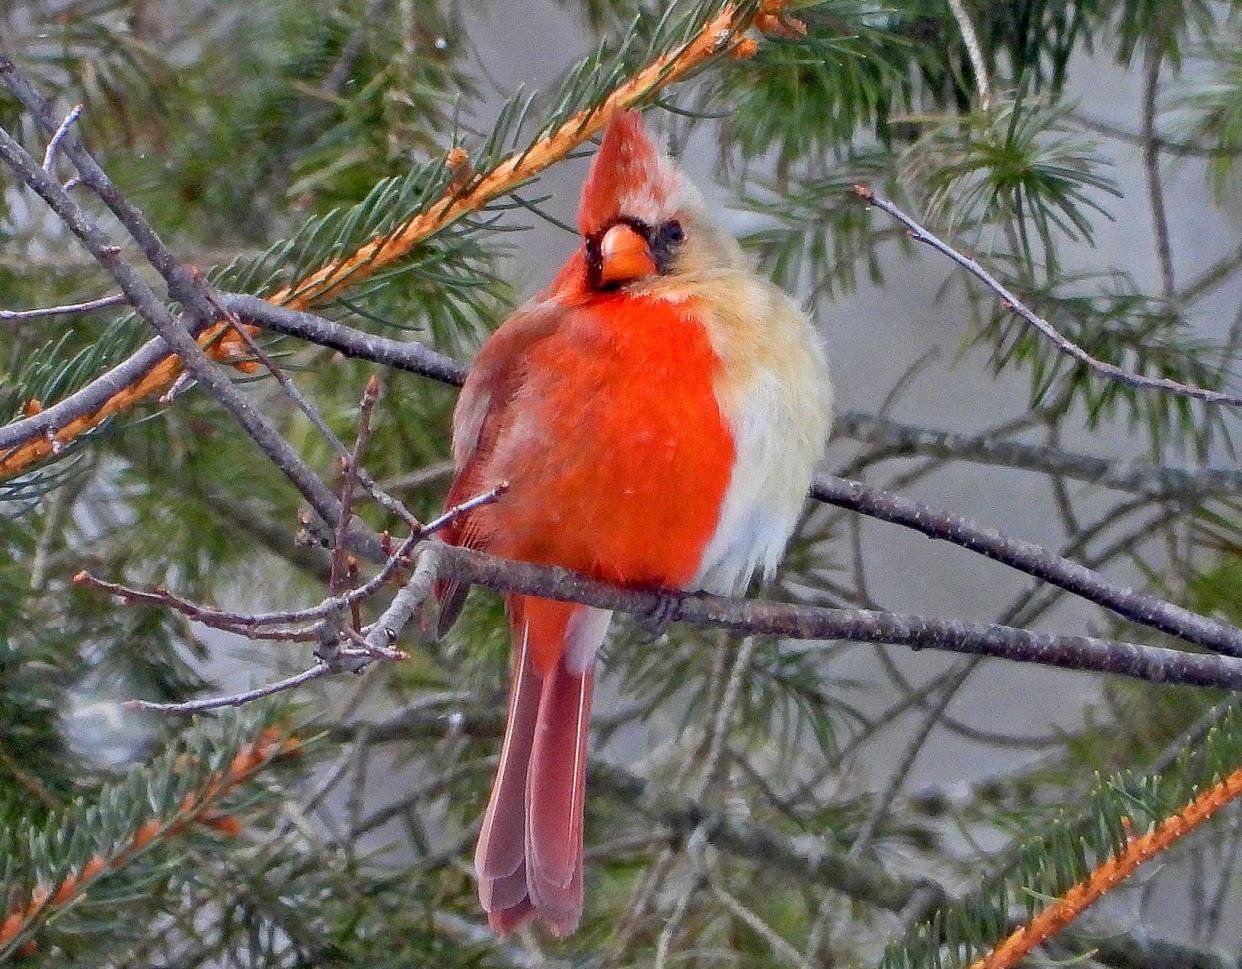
{"points": [[266, 141]]}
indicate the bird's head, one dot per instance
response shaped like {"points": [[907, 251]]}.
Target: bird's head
{"points": [[641, 219]]}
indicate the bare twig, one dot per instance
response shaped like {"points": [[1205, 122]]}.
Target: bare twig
{"points": [[1151, 169], [53, 146], [68, 309], [350, 464], [674, 922], [1179, 148], [253, 627], [252, 624], [884, 800], [382, 497], [1011, 302], [234, 699], [779, 945]]}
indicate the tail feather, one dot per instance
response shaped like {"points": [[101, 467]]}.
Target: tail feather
{"points": [[529, 857], [500, 858], [555, 796]]}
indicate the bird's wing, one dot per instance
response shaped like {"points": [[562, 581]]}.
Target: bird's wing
{"points": [[495, 380]]}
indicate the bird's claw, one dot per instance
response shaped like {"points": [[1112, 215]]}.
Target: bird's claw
{"points": [[655, 621]]}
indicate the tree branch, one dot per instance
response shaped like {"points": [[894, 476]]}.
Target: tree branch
{"points": [[1035, 560], [176, 336], [1085, 653], [195, 807], [1154, 480]]}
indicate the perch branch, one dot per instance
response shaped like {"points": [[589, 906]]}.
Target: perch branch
{"points": [[1151, 663]]}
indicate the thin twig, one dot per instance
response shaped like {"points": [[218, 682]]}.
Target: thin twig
{"points": [[1180, 148], [349, 471], [779, 945], [68, 309], [382, 497], [1151, 169], [248, 624], [53, 145], [239, 623], [884, 800], [674, 922], [234, 699], [1011, 302], [898, 439]]}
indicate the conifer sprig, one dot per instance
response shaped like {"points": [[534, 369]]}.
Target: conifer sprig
{"points": [[1110, 873], [50, 866], [1057, 876]]}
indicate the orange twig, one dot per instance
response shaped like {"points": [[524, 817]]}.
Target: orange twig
{"points": [[197, 807], [720, 35], [222, 346], [1057, 916]]}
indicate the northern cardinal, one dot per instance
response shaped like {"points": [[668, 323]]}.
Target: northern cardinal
{"points": [[657, 412]]}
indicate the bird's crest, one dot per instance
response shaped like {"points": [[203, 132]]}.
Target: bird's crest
{"points": [[629, 176]]}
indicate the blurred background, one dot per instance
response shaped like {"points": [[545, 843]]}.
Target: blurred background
{"points": [[1085, 156]]}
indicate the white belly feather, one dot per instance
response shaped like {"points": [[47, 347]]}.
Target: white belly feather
{"points": [[775, 394]]}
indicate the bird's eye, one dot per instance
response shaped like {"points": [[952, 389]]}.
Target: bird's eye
{"points": [[672, 232]]}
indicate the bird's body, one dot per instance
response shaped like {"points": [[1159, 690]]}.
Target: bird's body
{"points": [[657, 413]]}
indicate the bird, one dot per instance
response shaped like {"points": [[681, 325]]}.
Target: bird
{"points": [[657, 413]]}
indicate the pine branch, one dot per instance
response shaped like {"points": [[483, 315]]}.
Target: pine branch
{"points": [[799, 859], [1083, 855], [721, 32], [1137, 851], [49, 869], [173, 331]]}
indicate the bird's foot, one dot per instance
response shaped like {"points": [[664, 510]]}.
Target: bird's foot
{"points": [[655, 621]]}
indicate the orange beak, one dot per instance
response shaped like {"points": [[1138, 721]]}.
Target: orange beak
{"points": [[624, 256]]}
